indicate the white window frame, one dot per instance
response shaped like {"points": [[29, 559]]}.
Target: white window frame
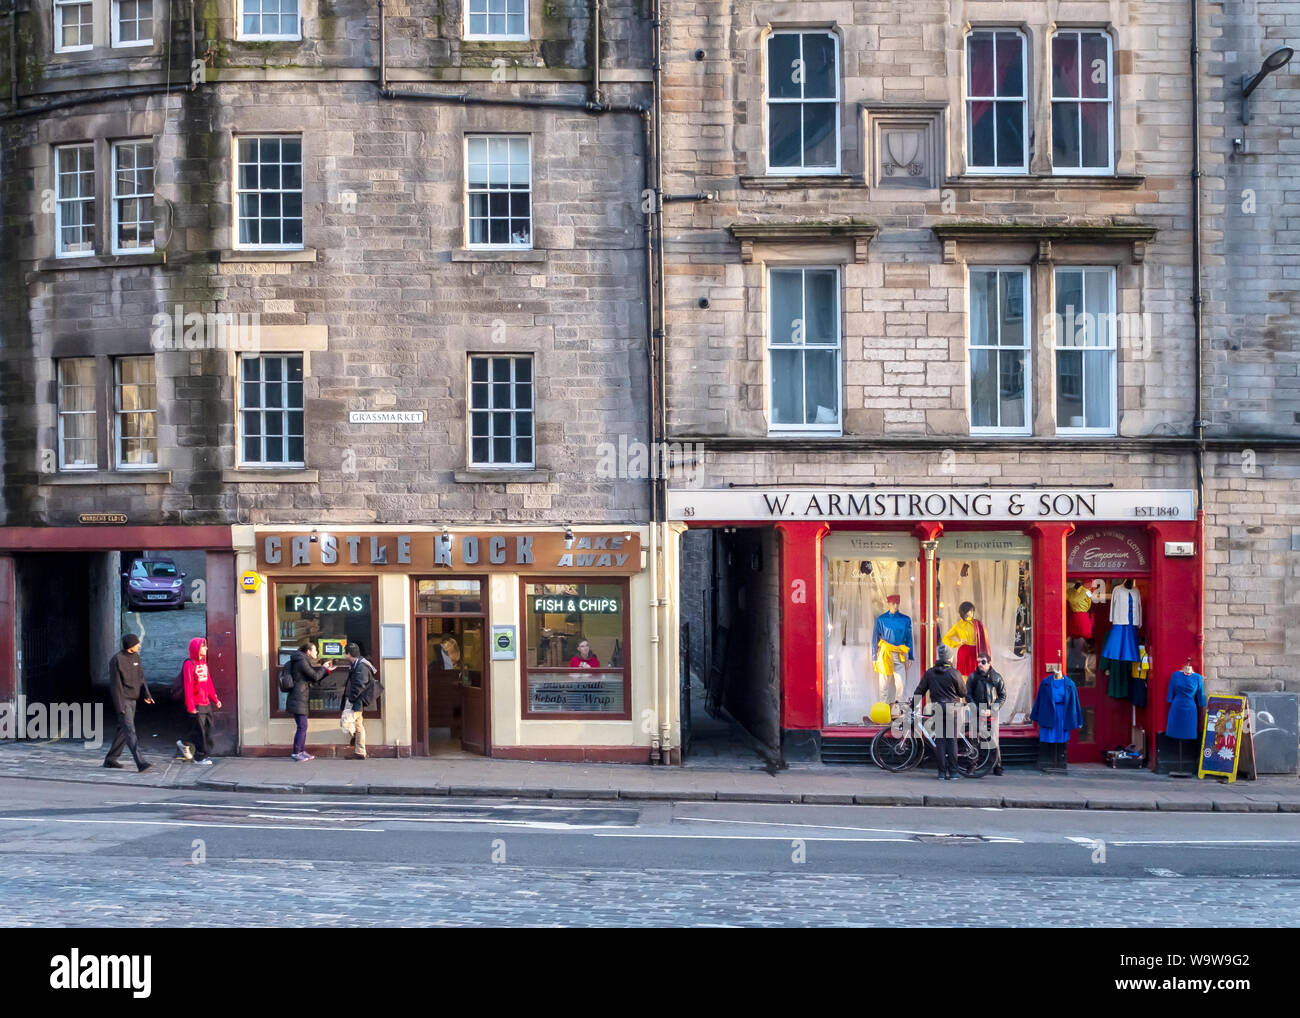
{"points": [[265, 36], [235, 243], [59, 7], [93, 413], [59, 202], [489, 36], [115, 27], [115, 197], [995, 170], [768, 101], [512, 410], [119, 462], [1027, 348], [1112, 346], [805, 429], [240, 407], [1084, 171], [509, 246]]}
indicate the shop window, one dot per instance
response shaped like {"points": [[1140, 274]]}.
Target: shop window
{"points": [[329, 615], [132, 22], [1082, 108], [988, 575], [803, 103], [268, 185], [268, 19], [136, 412], [497, 19], [74, 227], [997, 105], [448, 597], [271, 411], [865, 627], [74, 25], [78, 445], [132, 196], [499, 186], [999, 350], [1085, 351], [501, 411], [575, 654], [804, 349]]}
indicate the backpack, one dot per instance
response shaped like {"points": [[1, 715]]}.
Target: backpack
{"points": [[373, 688], [286, 678]]}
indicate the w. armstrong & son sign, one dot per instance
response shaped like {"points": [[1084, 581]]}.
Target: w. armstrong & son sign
{"points": [[902, 504]]}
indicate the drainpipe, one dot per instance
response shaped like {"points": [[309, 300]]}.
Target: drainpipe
{"points": [[595, 51], [383, 48], [13, 52], [1198, 301]]}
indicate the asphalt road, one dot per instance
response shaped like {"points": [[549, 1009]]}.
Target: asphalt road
{"points": [[87, 855]]}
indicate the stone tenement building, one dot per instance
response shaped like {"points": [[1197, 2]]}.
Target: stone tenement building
{"points": [[937, 333], [350, 297]]}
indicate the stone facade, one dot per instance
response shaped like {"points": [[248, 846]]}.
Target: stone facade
{"points": [[385, 301]]}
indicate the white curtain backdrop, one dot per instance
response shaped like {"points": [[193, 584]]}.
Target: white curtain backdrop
{"points": [[853, 601], [992, 586]]}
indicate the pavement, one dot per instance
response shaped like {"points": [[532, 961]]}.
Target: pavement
{"points": [[1084, 787]]}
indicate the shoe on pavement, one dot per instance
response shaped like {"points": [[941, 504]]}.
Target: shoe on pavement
{"points": [[205, 762], [299, 757], [307, 756], [184, 751], [359, 756], [114, 765], [144, 767], [997, 771]]}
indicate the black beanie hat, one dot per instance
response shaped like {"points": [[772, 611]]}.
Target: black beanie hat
{"points": [[129, 641]]}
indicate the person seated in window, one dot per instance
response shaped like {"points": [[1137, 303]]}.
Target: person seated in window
{"points": [[584, 658], [449, 654]]}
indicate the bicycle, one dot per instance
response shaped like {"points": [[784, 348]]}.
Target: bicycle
{"points": [[897, 747]]}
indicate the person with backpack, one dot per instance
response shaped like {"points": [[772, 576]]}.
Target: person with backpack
{"points": [[297, 676], [947, 691], [360, 691], [200, 696]]}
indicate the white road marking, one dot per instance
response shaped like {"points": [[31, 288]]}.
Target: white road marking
{"points": [[1089, 842], [184, 823], [612, 804], [1157, 871], [747, 837], [833, 827]]}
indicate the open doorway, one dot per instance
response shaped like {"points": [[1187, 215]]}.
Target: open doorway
{"points": [[451, 694]]}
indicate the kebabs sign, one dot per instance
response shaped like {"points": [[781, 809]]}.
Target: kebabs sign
{"points": [[536, 552]]}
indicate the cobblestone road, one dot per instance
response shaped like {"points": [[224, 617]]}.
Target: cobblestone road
{"points": [[74, 891]]}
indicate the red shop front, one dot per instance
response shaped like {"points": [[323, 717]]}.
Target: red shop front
{"points": [[864, 572]]}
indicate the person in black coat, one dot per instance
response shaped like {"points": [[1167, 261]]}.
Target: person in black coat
{"points": [[988, 692], [948, 691], [306, 673], [127, 687]]}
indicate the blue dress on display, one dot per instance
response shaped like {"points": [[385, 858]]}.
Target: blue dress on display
{"points": [[1186, 701], [1125, 617], [1056, 709]]}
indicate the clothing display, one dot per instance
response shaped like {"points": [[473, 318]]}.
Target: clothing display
{"points": [[1186, 701], [971, 641], [892, 640], [1079, 617], [1057, 711], [1125, 620]]}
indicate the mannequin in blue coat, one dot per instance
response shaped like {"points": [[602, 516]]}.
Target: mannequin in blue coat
{"points": [[1186, 701], [1056, 708]]}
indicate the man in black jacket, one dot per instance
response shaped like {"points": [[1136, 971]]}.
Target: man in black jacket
{"points": [[306, 673], [127, 686], [988, 692], [947, 691]]}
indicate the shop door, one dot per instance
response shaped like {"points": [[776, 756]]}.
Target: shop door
{"points": [[453, 707], [1108, 721]]}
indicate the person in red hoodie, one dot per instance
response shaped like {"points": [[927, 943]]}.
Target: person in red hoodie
{"points": [[200, 695]]}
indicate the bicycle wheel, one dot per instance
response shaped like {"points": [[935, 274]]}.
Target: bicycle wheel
{"points": [[973, 760], [893, 753]]}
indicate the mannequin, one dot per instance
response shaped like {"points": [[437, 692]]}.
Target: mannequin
{"points": [[1056, 712], [1186, 701], [892, 640], [1122, 640], [969, 638], [1079, 618]]}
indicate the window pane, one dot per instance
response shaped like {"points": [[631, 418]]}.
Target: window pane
{"points": [[983, 308], [1065, 135], [1011, 388], [820, 308], [1096, 66], [787, 387], [1011, 135], [1010, 65], [785, 145], [981, 134], [821, 389], [1065, 66], [479, 450], [1069, 308], [478, 367], [983, 389], [979, 62], [819, 134], [1013, 309], [819, 67], [329, 615], [1095, 125], [782, 67], [787, 306], [1096, 295], [1069, 389], [1097, 388]]}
